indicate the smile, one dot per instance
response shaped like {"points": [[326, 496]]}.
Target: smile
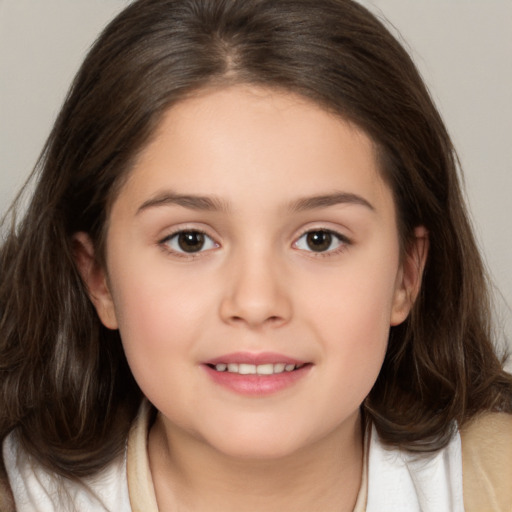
{"points": [[253, 369], [256, 374]]}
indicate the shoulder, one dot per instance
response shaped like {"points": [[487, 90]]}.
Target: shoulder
{"points": [[487, 462], [34, 488], [405, 481]]}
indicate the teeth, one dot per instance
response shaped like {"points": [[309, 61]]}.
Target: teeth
{"points": [[252, 369], [265, 369], [246, 369]]}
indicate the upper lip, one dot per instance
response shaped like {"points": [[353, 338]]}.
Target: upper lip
{"points": [[254, 358]]}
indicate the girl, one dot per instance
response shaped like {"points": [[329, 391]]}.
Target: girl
{"points": [[246, 279]]}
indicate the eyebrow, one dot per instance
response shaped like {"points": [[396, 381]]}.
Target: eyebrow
{"points": [[193, 202], [212, 203], [326, 200]]}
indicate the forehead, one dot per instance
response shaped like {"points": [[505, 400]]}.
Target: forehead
{"points": [[244, 140]]}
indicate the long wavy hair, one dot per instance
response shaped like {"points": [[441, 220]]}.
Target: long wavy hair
{"points": [[65, 385]]}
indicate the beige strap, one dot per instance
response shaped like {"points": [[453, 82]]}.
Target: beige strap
{"points": [[140, 483], [362, 496], [487, 463]]}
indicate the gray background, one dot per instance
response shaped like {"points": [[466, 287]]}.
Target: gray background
{"points": [[462, 47]]}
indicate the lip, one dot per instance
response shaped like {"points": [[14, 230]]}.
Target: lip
{"points": [[254, 358], [256, 385]]}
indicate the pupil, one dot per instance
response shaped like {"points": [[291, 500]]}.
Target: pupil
{"points": [[319, 240], [191, 241]]}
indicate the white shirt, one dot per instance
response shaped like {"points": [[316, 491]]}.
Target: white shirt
{"points": [[393, 480], [37, 490], [401, 481]]}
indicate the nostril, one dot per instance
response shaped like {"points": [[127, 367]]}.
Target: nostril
{"points": [[271, 320], [254, 310]]}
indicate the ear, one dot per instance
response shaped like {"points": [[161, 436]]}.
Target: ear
{"points": [[95, 279], [409, 277]]}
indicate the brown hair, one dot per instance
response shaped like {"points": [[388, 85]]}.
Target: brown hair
{"points": [[64, 382]]}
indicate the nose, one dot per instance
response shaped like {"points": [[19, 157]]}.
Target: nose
{"points": [[256, 294]]}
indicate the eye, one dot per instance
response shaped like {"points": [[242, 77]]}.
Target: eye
{"points": [[189, 242], [320, 240]]}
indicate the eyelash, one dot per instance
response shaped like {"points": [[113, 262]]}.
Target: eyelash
{"points": [[164, 243], [342, 239]]}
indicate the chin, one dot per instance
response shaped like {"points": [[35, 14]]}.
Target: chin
{"points": [[256, 452], [263, 445]]}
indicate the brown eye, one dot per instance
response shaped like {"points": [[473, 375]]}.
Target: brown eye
{"points": [[319, 241], [189, 242]]}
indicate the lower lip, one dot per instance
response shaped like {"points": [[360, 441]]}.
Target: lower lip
{"points": [[257, 385]]}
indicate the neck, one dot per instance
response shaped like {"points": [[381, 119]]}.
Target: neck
{"points": [[193, 476]]}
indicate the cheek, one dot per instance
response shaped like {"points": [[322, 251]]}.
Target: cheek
{"points": [[357, 297], [359, 347], [160, 319], [352, 318]]}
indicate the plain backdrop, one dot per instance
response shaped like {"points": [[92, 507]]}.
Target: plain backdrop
{"points": [[463, 49]]}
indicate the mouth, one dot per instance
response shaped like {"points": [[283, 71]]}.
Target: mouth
{"points": [[256, 374], [253, 369]]}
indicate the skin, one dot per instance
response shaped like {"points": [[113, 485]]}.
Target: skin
{"points": [[256, 286]]}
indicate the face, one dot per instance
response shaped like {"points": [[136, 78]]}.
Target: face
{"points": [[253, 270]]}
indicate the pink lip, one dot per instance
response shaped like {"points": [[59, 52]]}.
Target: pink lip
{"points": [[256, 385]]}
